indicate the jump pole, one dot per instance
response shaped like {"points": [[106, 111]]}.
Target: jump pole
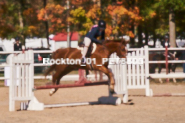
{"points": [[35, 105], [165, 95]]}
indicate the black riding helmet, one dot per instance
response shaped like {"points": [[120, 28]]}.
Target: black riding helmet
{"points": [[102, 24], [17, 39], [166, 36]]}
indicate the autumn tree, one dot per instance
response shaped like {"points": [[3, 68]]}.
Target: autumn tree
{"points": [[170, 7], [19, 19]]}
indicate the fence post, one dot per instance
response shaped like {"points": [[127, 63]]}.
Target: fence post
{"points": [[166, 58], [147, 90], [11, 88], [31, 73]]}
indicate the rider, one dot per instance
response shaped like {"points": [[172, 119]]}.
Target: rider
{"points": [[91, 36]]}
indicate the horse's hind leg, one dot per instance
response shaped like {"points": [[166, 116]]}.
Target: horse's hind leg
{"points": [[57, 80], [159, 71], [173, 69], [110, 76], [54, 81], [54, 90]]}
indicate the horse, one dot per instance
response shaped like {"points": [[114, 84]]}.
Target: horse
{"points": [[102, 51], [161, 57]]}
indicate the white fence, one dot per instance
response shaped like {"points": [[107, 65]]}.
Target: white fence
{"points": [[137, 74], [23, 65]]}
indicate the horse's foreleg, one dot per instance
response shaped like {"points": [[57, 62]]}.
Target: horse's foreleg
{"points": [[159, 71], [160, 67], [110, 76], [160, 80], [173, 69], [174, 80]]}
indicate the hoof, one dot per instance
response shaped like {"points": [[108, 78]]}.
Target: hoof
{"points": [[52, 91], [112, 91], [161, 81]]}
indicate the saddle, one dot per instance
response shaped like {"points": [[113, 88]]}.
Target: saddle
{"points": [[91, 49]]}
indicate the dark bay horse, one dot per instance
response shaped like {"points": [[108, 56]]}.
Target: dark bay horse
{"points": [[102, 51], [161, 57]]}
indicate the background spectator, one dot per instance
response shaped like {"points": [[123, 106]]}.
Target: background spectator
{"points": [[17, 45], [166, 39]]}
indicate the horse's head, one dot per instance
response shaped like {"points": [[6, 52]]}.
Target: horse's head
{"points": [[122, 49], [118, 46]]}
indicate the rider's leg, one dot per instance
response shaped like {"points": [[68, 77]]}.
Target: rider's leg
{"points": [[87, 42]]}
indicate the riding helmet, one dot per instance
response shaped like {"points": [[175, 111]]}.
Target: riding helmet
{"points": [[17, 39], [166, 36], [102, 24]]}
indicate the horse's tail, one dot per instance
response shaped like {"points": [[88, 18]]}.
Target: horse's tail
{"points": [[49, 70]]}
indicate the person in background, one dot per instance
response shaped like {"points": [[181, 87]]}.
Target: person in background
{"points": [[17, 45], [166, 39]]}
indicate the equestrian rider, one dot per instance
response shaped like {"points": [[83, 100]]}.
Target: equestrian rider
{"points": [[91, 36], [17, 45]]}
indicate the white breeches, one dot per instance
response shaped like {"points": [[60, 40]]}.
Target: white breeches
{"points": [[87, 42]]}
